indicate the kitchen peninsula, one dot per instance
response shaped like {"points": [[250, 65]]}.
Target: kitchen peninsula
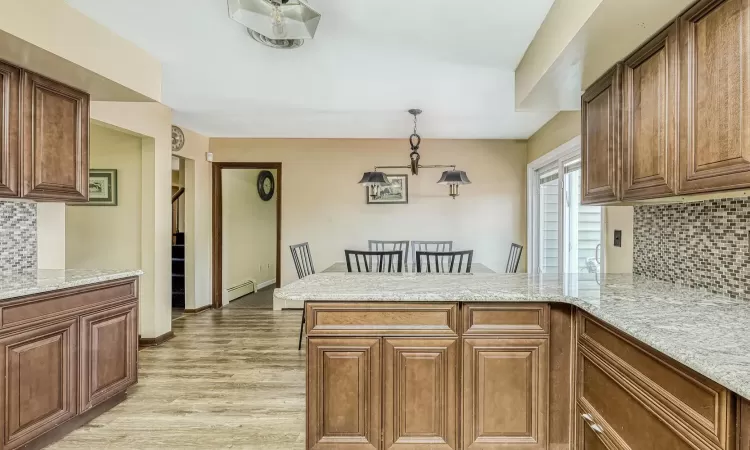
{"points": [[68, 350], [522, 361]]}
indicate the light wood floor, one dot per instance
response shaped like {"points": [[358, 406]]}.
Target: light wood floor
{"points": [[231, 378]]}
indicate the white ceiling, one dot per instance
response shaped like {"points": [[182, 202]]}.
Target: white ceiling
{"points": [[370, 61]]}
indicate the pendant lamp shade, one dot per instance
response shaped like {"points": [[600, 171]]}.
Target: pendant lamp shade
{"points": [[374, 179], [456, 177]]}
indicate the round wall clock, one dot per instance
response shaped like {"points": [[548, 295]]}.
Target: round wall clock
{"points": [[266, 185], [178, 139]]}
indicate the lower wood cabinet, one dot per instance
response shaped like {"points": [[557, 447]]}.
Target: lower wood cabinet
{"points": [[343, 393], [505, 393], [108, 358], [421, 393], [39, 381], [63, 353]]}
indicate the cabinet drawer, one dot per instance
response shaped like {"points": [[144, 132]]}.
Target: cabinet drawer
{"points": [[487, 319], [382, 319], [69, 301], [689, 402]]}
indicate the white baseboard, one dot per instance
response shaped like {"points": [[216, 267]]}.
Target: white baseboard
{"points": [[271, 282]]}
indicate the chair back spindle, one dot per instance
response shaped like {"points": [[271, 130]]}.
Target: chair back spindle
{"points": [[390, 261], [513, 258], [302, 259], [444, 262]]}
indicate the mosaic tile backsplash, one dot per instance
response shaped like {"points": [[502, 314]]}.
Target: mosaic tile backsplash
{"points": [[701, 244], [17, 237]]}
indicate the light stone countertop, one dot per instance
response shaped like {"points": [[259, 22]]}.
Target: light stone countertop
{"points": [[12, 286], [707, 332]]}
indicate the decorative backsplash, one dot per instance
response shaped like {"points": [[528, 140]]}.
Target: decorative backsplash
{"points": [[702, 244], [17, 237]]}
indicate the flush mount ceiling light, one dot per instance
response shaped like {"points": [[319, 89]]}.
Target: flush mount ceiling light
{"points": [[276, 20], [376, 179]]}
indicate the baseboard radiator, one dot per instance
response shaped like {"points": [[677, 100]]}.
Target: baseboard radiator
{"points": [[238, 291]]}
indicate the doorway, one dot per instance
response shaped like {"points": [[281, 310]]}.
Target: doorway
{"points": [[240, 192]]}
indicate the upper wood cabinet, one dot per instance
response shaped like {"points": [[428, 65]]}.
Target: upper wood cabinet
{"points": [[649, 132], [44, 138], [600, 138], [715, 96], [10, 128], [55, 140]]}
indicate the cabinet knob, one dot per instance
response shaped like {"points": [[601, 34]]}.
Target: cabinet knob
{"points": [[588, 418], [596, 428]]}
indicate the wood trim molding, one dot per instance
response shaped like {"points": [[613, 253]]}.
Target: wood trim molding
{"points": [[197, 310], [216, 213], [153, 342]]}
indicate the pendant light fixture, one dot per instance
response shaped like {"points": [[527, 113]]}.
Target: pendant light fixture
{"points": [[376, 179], [276, 19]]}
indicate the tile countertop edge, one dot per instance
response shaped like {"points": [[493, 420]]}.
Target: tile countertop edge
{"points": [[729, 375], [12, 287]]}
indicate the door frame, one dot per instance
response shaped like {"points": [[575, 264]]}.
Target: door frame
{"points": [[216, 219]]}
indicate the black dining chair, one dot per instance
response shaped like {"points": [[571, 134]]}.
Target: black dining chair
{"points": [[514, 258], [304, 264], [384, 246], [444, 262], [385, 261]]}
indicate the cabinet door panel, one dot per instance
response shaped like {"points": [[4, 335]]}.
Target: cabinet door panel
{"points": [[649, 148], [55, 140], [715, 96], [505, 383], [109, 343], [420, 397], [600, 138], [39, 372], [10, 128], [343, 393]]}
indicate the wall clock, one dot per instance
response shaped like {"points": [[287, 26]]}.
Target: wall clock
{"points": [[266, 185], [178, 139]]}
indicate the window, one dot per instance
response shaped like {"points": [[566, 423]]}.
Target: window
{"points": [[564, 236]]}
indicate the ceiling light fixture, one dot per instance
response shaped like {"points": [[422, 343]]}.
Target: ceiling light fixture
{"points": [[276, 20], [376, 179]]}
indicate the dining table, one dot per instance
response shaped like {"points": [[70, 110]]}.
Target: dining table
{"points": [[340, 266]]}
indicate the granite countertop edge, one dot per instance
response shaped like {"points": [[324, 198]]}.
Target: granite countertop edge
{"points": [[41, 281], [721, 353]]}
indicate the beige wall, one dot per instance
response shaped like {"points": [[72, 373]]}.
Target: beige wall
{"points": [[108, 237], [151, 122], [248, 230], [323, 205], [561, 129], [59, 29], [50, 233]]}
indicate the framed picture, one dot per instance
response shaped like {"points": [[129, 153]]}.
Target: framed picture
{"points": [[102, 187], [397, 192]]}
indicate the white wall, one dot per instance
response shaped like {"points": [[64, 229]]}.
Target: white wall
{"points": [[248, 231], [323, 204], [108, 237], [50, 231]]}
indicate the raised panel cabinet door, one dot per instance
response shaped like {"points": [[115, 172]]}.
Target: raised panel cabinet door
{"points": [[600, 138], [649, 132], [39, 387], [715, 96], [344, 393], [420, 399], [10, 129], [55, 141], [109, 347], [505, 393]]}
